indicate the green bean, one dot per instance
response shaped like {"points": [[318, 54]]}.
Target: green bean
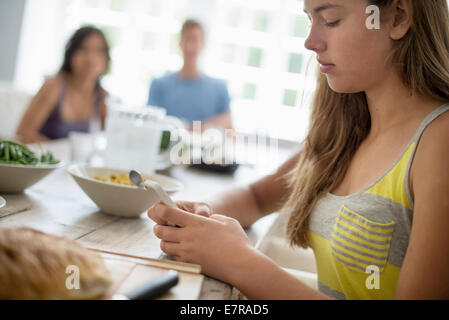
{"points": [[19, 153], [6, 158], [15, 153]]}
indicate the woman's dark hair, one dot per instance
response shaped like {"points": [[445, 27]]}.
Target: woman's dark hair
{"points": [[75, 43]]}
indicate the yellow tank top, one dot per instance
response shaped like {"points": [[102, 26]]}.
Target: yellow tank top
{"points": [[360, 240]]}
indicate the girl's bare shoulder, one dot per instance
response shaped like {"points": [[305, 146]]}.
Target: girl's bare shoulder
{"points": [[51, 87], [53, 82], [434, 141], [438, 130]]}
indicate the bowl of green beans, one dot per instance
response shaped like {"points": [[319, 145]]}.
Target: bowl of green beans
{"points": [[21, 168]]}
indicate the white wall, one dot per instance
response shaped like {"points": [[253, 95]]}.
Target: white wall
{"points": [[42, 42], [11, 14]]}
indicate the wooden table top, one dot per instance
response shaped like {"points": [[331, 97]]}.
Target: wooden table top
{"points": [[58, 206]]}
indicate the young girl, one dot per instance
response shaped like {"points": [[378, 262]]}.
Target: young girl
{"points": [[71, 99], [369, 191]]}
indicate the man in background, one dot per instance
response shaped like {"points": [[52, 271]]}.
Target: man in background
{"points": [[189, 94]]}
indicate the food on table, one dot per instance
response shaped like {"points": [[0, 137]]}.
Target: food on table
{"points": [[15, 153], [35, 265], [121, 178]]}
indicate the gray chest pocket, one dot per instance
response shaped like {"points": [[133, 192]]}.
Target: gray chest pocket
{"points": [[358, 242]]}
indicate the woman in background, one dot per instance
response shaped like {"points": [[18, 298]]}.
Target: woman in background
{"points": [[74, 97]]}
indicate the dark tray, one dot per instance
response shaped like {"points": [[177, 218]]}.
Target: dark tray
{"points": [[220, 168]]}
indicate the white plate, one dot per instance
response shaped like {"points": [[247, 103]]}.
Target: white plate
{"points": [[117, 199], [16, 178], [2, 202]]}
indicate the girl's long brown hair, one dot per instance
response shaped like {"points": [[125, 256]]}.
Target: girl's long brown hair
{"points": [[340, 122]]}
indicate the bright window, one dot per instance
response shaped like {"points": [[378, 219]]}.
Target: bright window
{"points": [[256, 46]]}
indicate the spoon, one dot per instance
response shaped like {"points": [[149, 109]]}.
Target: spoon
{"points": [[137, 179]]}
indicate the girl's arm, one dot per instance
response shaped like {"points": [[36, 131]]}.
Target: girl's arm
{"points": [[38, 112], [259, 278], [222, 248], [249, 203], [425, 270]]}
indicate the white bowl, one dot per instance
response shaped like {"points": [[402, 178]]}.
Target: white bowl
{"points": [[2, 202], [15, 178], [117, 199]]}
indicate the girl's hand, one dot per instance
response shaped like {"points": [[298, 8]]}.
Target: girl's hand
{"points": [[217, 243], [200, 208]]}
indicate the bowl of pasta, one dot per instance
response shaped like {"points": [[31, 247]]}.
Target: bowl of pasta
{"points": [[112, 191]]}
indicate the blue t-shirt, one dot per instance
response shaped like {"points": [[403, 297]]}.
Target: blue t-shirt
{"points": [[190, 100]]}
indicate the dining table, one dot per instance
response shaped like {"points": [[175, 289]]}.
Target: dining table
{"points": [[57, 205]]}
